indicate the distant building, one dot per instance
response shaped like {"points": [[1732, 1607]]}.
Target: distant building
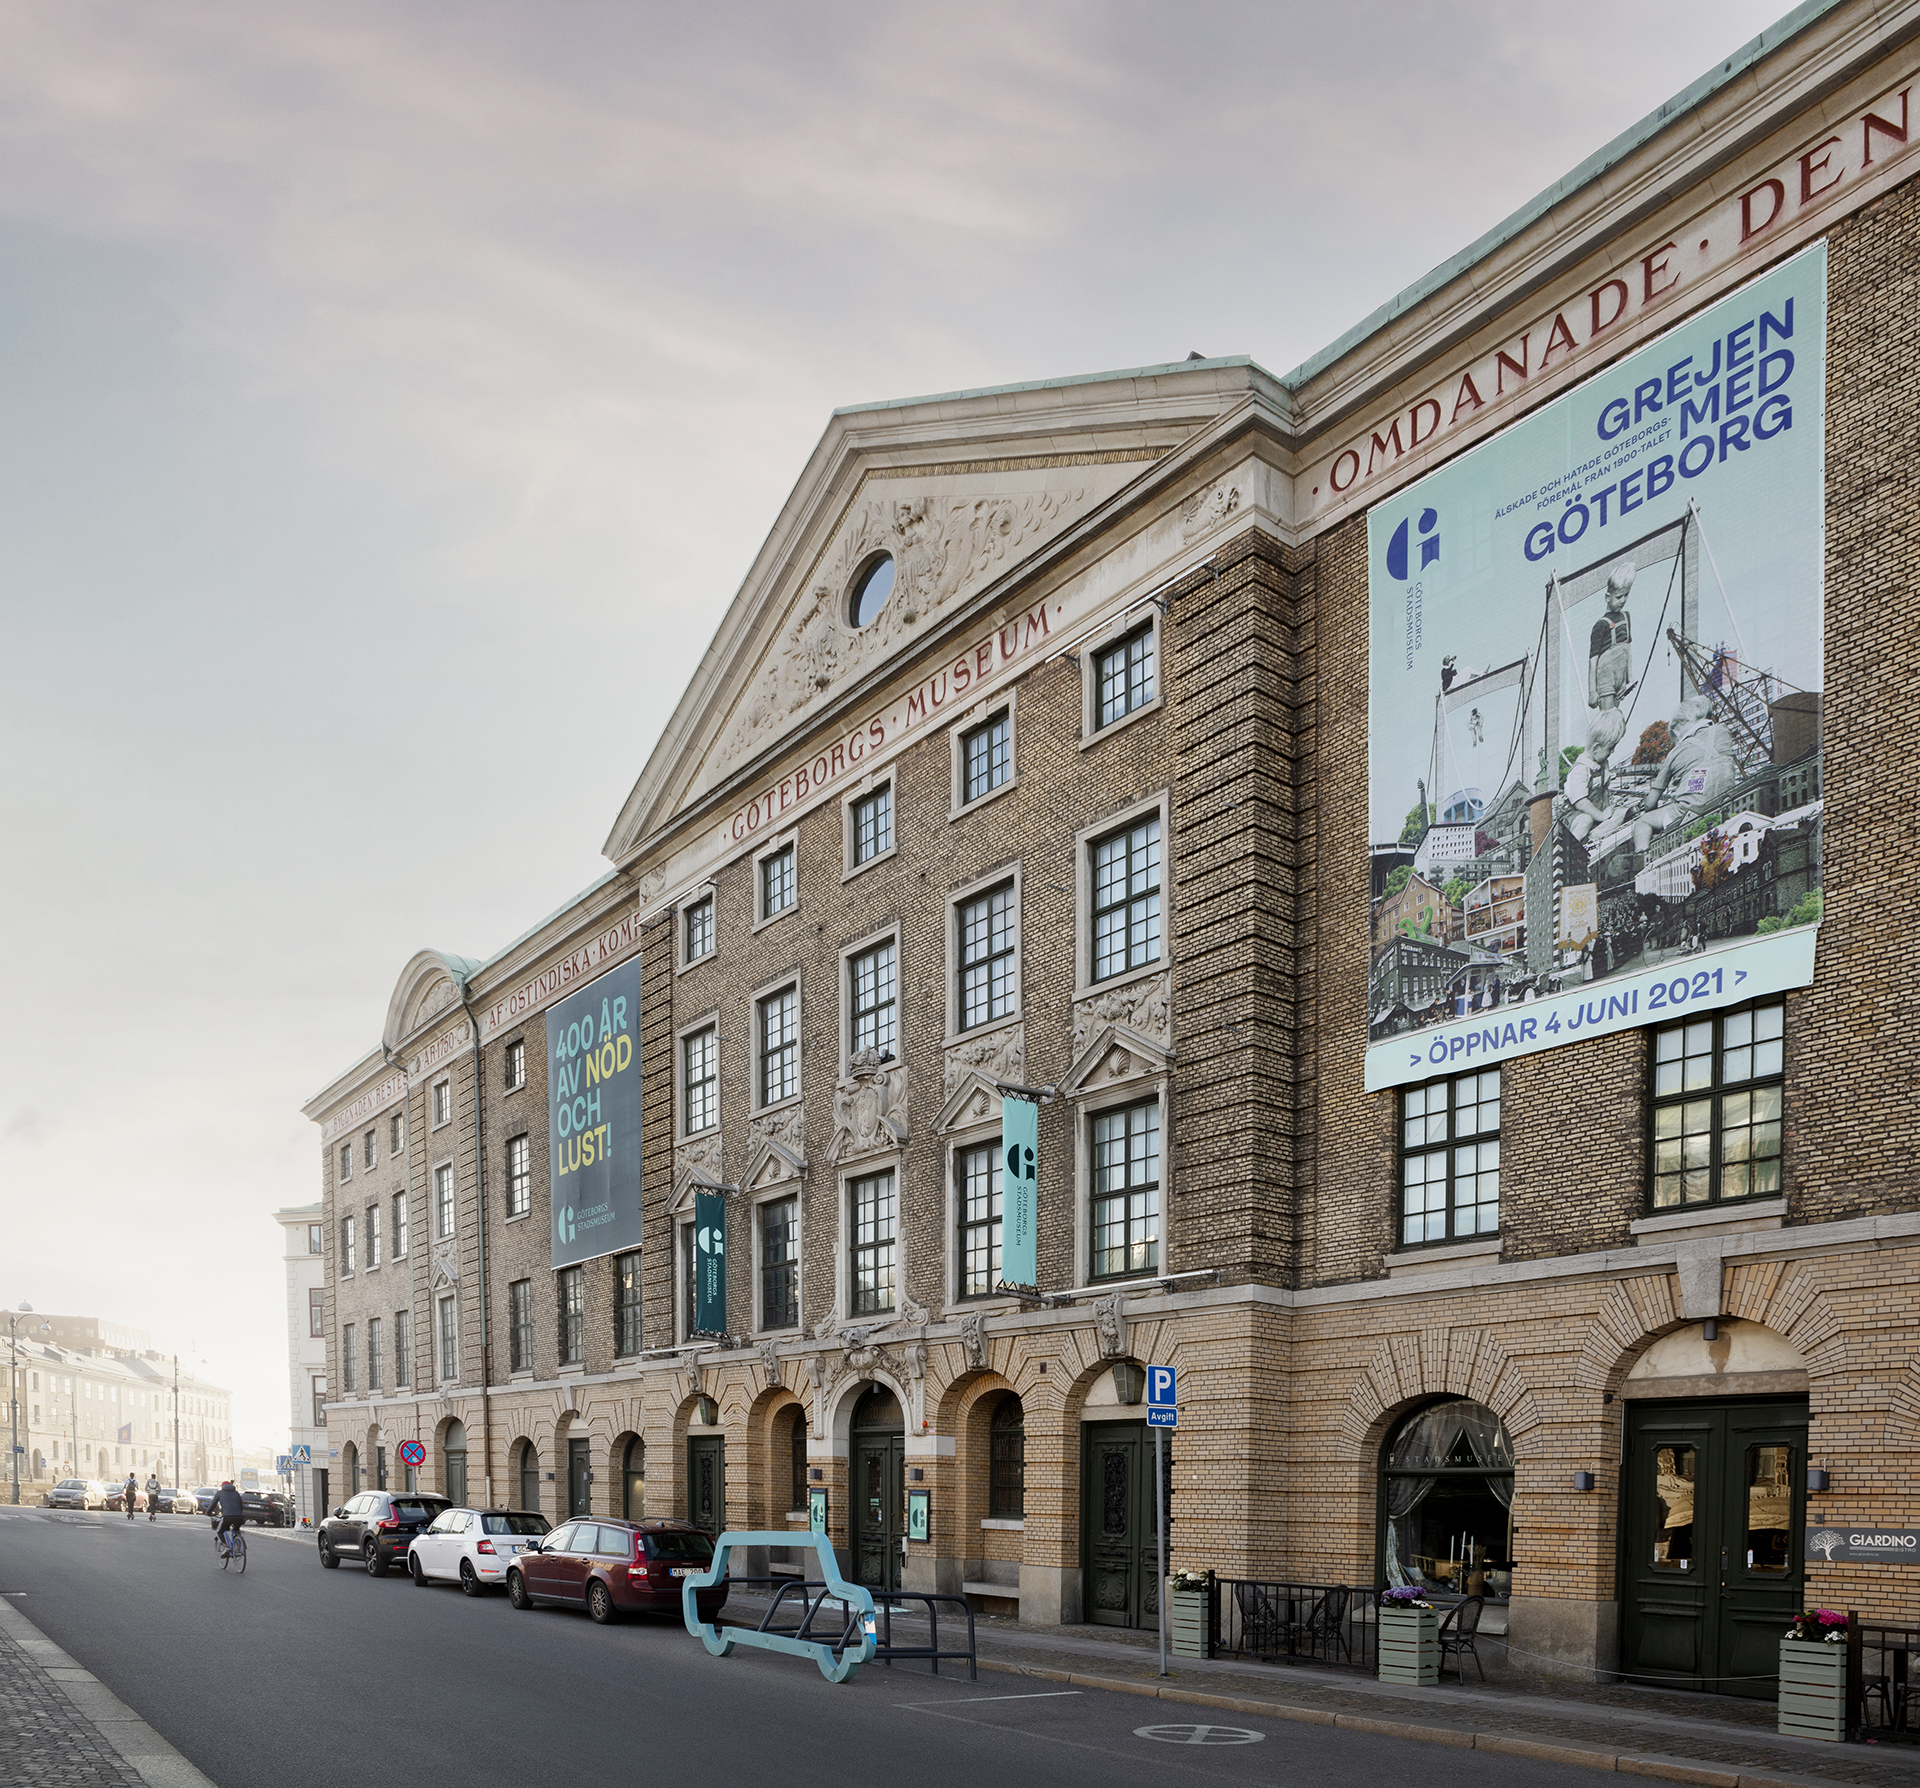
{"points": [[306, 1263], [1494, 917], [1418, 910]]}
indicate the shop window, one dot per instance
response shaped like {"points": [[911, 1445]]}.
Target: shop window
{"points": [[1446, 1495], [1450, 1159], [1717, 1101]]}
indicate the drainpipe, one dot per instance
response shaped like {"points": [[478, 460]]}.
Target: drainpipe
{"points": [[480, 1186], [406, 1169]]}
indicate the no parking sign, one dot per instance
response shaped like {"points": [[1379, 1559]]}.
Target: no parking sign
{"points": [[412, 1453]]}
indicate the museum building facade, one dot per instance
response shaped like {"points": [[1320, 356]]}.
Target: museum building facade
{"points": [[1031, 759]]}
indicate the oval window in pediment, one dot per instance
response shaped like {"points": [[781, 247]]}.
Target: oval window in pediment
{"points": [[872, 585]]}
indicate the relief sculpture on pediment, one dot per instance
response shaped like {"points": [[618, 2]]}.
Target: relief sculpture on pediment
{"points": [[1143, 1006], [869, 1106]]}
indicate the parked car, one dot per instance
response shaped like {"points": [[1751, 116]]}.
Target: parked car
{"points": [[615, 1567], [472, 1547], [266, 1508], [378, 1528], [178, 1502], [116, 1498], [78, 1493], [204, 1497]]}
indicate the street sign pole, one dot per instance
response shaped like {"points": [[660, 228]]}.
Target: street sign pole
{"points": [[1160, 1510]]}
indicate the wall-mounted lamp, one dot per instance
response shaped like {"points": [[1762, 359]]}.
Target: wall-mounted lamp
{"points": [[1583, 1480], [1817, 1480], [918, 1476], [815, 1474], [1129, 1382]]}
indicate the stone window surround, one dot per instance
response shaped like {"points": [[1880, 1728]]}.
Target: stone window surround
{"points": [[506, 1056], [682, 1221], [1091, 646], [1122, 818], [787, 840], [972, 1136], [887, 934], [893, 1161], [707, 1020], [1085, 1108], [443, 1084], [868, 786], [433, 1197], [795, 979], [506, 1173], [773, 1195], [707, 890], [1012, 871], [978, 715]]}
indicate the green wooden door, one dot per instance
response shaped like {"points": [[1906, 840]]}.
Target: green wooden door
{"points": [[707, 1481], [879, 1508], [1715, 1518], [579, 1485], [1119, 1545]]}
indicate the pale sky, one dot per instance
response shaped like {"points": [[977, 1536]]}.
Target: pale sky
{"points": [[378, 381]]}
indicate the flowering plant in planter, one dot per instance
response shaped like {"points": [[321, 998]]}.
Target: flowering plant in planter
{"points": [[1408, 1596], [1818, 1625], [1192, 1582]]}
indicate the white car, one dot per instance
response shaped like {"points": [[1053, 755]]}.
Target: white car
{"points": [[472, 1547]]}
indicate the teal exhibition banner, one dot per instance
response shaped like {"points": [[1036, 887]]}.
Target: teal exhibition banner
{"points": [[1595, 670], [593, 1117], [1020, 1195], [710, 1262]]}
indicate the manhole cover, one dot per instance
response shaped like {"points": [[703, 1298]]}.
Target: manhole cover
{"points": [[1199, 1735]]}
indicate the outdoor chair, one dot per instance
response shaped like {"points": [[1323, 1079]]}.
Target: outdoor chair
{"points": [[1457, 1634], [1324, 1631], [1260, 1622]]}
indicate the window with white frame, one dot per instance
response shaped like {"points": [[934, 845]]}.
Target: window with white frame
{"points": [[514, 1062], [443, 1201], [442, 1102], [399, 1226], [875, 1210], [519, 1176], [372, 1149], [986, 757], [447, 1337], [700, 1079], [779, 1015], [780, 1263], [346, 1161], [316, 1238], [1450, 1159], [346, 1247], [373, 1353], [396, 1133], [402, 1350], [1126, 899], [870, 826], [520, 1326], [989, 937], [873, 999], [1124, 676], [573, 1315], [316, 1310], [779, 888], [977, 1173], [626, 1304], [697, 935], [373, 1236], [1126, 1190], [349, 1371]]}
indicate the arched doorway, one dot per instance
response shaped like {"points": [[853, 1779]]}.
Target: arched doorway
{"points": [[879, 1462], [1446, 1502], [527, 1476], [350, 1465], [453, 1463], [633, 1480], [706, 1466]]}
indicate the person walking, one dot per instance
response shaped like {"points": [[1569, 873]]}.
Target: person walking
{"points": [[130, 1493], [153, 1496]]}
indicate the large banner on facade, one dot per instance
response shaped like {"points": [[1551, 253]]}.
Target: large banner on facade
{"points": [[1020, 1195], [593, 1117], [710, 1263], [1595, 672]]}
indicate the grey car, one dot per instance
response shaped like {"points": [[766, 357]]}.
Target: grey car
{"points": [[78, 1493]]}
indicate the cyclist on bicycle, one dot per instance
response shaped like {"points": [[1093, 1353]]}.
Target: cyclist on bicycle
{"points": [[230, 1513]]}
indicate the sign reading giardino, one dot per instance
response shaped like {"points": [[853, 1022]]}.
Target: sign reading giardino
{"points": [[1881, 1545], [593, 1117], [1594, 684]]}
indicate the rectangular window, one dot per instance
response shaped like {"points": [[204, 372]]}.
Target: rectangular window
{"points": [[875, 1215], [573, 1315], [373, 1235], [319, 1402], [976, 1197], [986, 757], [1126, 899], [779, 1046], [348, 1340], [699, 932], [1718, 1094], [442, 1102], [443, 1201], [874, 993], [346, 1161], [626, 1305], [777, 887], [780, 1264], [346, 1247], [448, 1338], [519, 1176], [688, 1292], [700, 1064], [1007, 1471], [396, 1133], [402, 1350], [1450, 1159], [399, 1226], [373, 1353], [872, 825], [989, 942], [316, 1310], [515, 1059], [1126, 1191], [316, 1239], [372, 1151], [520, 1326], [1125, 673]]}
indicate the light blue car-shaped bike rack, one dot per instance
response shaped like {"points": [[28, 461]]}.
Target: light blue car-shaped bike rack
{"points": [[838, 1654]]}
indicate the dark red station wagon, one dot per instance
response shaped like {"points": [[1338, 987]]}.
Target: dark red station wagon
{"points": [[616, 1567]]}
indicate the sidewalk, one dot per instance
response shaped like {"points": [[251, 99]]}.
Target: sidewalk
{"points": [[1716, 1740]]}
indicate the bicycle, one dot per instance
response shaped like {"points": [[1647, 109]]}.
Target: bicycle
{"points": [[231, 1548]]}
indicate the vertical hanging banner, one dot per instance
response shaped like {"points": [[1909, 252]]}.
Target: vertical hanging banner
{"points": [[593, 1117], [1595, 680], [710, 1262], [1020, 1195]]}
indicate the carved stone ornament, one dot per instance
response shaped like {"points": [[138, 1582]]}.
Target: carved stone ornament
{"points": [[1000, 1056], [776, 1146], [770, 1361], [1109, 1326], [445, 1270], [693, 1376], [436, 1000], [973, 1337], [705, 1155], [869, 1106], [1208, 508], [942, 546], [1143, 1006]]}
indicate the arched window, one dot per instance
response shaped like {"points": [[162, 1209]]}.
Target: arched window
{"points": [[529, 1477], [453, 1450], [1007, 1481], [1446, 1500], [797, 1458], [633, 1480]]}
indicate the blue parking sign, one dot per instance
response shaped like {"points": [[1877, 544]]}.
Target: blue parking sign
{"points": [[1161, 1412]]}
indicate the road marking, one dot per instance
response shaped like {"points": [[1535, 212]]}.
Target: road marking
{"points": [[971, 1700], [1199, 1735]]}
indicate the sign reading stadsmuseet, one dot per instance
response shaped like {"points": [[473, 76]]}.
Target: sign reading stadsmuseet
{"points": [[1595, 670], [593, 1117]]}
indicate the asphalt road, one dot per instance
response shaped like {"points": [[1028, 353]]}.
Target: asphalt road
{"points": [[304, 1678]]}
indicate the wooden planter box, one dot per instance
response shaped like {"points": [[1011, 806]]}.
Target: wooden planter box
{"points": [[1410, 1646], [1187, 1609], [1813, 1689]]}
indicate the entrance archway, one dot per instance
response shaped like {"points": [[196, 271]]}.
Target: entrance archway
{"points": [[633, 1479], [453, 1463], [1446, 1502], [527, 1476], [879, 1465]]}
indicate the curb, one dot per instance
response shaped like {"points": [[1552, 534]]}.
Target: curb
{"points": [[1657, 1768]]}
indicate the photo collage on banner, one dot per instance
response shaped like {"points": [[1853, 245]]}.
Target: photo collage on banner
{"points": [[593, 1117], [1595, 672]]}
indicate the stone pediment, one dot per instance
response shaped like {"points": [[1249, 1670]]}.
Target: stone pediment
{"points": [[776, 1148], [974, 1101], [699, 1165], [428, 986], [1114, 1053]]}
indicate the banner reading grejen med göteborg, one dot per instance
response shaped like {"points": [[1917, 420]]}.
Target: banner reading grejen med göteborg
{"points": [[593, 1117], [1595, 674]]}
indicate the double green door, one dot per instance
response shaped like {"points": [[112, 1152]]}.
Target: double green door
{"points": [[1120, 1546], [879, 1507], [707, 1481], [1715, 1507]]}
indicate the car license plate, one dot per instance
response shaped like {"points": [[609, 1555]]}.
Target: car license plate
{"points": [[681, 1571]]}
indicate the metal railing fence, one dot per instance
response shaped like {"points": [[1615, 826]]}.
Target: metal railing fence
{"points": [[1294, 1623]]}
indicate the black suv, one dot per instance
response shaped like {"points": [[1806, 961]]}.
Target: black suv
{"points": [[266, 1508], [377, 1527]]}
